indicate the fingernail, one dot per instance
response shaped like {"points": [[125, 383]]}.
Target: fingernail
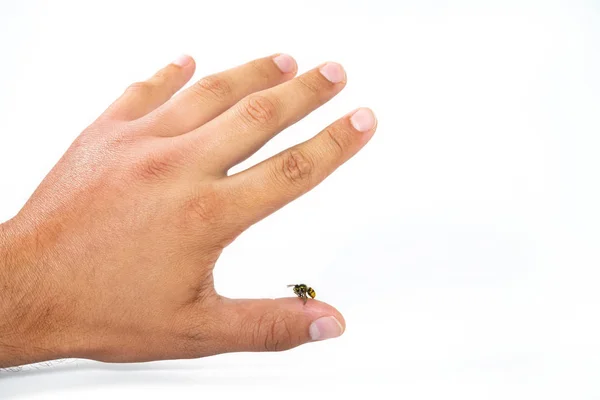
{"points": [[363, 120], [325, 328], [182, 60], [285, 63], [333, 72]]}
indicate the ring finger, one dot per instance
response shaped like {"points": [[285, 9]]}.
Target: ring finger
{"points": [[212, 95]]}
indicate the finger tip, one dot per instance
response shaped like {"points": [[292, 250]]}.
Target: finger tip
{"points": [[286, 64], [325, 327], [183, 61], [321, 309], [334, 72], [342, 321]]}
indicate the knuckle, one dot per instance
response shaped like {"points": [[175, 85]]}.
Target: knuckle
{"points": [[295, 167], [310, 83], [153, 163], [203, 207], [143, 88], [260, 69], [213, 87], [165, 73], [152, 168], [273, 333], [259, 110], [118, 139], [339, 138], [162, 78]]}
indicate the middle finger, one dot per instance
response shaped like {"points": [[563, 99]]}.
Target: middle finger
{"points": [[240, 131]]}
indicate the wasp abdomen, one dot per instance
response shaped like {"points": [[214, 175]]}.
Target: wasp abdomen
{"points": [[303, 291]]}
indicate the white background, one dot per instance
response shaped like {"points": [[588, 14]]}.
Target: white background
{"points": [[462, 244]]}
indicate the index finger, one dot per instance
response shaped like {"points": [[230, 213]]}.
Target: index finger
{"points": [[268, 186]]}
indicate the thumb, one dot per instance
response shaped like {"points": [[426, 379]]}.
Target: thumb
{"points": [[275, 324]]}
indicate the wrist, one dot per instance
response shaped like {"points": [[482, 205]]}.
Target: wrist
{"points": [[28, 331]]}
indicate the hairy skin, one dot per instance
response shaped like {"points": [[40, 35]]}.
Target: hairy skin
{"points": [[112, 257]]}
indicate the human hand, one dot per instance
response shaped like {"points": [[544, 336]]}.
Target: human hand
{"points": [[112, 257]]}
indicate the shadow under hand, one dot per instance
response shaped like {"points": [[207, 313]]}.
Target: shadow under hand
{"points": [[68, 374]]}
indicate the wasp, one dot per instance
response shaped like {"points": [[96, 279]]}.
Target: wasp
{"points": [[302, 291]]}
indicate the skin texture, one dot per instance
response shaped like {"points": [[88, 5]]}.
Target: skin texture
{"points": [[112, 257]]}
